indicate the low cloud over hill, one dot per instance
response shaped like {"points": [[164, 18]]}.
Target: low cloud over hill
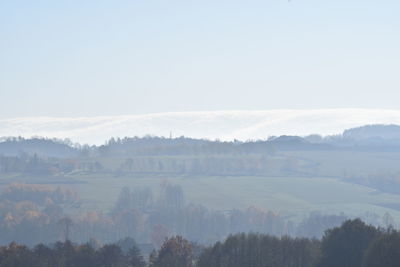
{"points": [[224, 125]]}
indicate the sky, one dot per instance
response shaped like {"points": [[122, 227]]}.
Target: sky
{"points": [[96, 58]]}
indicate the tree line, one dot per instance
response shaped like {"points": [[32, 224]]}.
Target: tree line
{"points": [[67, 254], [31, 214], [353, 244]]}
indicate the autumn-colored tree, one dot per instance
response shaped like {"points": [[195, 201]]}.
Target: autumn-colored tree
{"points": [[175, 252]]}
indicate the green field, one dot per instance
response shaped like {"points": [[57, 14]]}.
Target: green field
{"points": [[287, 195]]}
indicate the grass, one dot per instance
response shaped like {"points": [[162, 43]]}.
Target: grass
{"points": [[288, 196]]}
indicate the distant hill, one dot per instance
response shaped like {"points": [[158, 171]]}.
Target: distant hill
{"points": [[379, 131], [39, 146], [365, 138], [222, 125], [286, 142]]}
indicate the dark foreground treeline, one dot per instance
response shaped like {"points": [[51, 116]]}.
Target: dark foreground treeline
{"points": [[353, 244], [65, 254]]}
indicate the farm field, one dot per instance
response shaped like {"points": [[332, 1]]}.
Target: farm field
{"points": [[287, 195]]}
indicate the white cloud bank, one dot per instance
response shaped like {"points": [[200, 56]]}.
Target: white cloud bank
{"points": [[225, 125]]}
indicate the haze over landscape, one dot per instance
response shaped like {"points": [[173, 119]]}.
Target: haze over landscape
{"points": [[259, 133]]}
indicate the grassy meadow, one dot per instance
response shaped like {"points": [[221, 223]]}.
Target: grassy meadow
{"points": [[290, 196]]}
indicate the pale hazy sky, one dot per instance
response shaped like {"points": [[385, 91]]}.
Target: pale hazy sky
{"points": [[87, 58]]}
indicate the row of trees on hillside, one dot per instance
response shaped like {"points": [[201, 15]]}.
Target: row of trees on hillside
{"points": [[35, 165], [39, 166]]}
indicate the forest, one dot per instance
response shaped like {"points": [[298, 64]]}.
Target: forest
{"points": [[353, 244]]}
